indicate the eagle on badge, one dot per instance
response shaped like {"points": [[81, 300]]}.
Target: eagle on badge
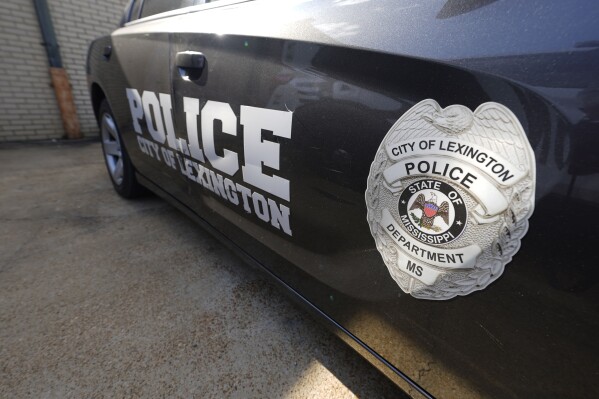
{"points": [[430, 210]]}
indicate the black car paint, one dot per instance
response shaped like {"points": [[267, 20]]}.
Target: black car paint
{"points": [[531, 333]]}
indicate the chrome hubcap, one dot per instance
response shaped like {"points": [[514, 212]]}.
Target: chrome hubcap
{"points": [[112, 149]]}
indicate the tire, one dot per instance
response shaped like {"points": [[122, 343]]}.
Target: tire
{"points": [[119, 166]]}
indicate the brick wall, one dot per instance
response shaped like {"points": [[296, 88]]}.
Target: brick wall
{"points": [[28, 109]]}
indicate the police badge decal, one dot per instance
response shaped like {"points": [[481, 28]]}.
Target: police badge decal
{"points": [[449, 195]]}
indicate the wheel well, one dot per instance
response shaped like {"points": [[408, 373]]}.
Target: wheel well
{"points": [[97, 97]]}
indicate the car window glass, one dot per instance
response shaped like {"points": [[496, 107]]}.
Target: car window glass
{"points": [[152, 7]]}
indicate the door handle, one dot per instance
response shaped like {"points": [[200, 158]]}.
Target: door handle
{"points": [[190, 64]]}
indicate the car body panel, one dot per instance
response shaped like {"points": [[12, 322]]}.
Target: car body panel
{"points": [[347, 70]]}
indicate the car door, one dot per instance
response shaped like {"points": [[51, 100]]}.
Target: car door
{"points": [[269, 143], [139, 55], [234, 171]]}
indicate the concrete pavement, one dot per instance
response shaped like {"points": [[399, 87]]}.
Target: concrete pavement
{"points": [[102, 297]]}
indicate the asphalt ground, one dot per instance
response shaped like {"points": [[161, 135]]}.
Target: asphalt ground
{"points": [[103, 297]]}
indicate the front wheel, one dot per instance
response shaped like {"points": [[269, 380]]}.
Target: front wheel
{"points": [[120, 168]]}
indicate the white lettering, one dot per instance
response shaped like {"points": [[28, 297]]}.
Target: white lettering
{"points": [[214, 110], [152, 108], [191, 106], [135, 105], [167, 107], [260, 152]]}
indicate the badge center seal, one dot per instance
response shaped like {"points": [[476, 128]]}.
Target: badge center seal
{"points": [[449, 196], [432, 211]]}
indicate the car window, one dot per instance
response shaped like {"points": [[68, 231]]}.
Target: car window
{"points": [[152, 7]]}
